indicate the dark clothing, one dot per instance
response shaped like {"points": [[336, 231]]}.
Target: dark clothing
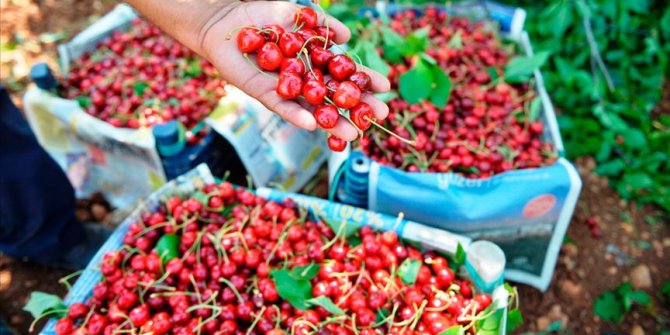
{"points": [[37, 202]]}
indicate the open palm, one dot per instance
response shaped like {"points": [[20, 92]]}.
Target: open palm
{"points": [[237, 70]]}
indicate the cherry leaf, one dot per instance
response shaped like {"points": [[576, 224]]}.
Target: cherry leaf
{"points": [[417, 83], [409, 270], [168, 247], [455, 330], [441, 87], [327, 304], [41, 303]]}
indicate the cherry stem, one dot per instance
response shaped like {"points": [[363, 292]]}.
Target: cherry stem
{"points": [[230, 33], [55, 311], [66, 280], [258, 318], [409, 142], [232, 287]]}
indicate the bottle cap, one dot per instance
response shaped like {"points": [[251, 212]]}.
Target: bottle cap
{"points": [[169, 138], [41, 75]]}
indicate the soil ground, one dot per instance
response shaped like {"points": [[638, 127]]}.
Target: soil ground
{"points": [[633, 238]]}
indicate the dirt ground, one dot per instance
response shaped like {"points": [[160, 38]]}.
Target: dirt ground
{"points": [[634, 245]]}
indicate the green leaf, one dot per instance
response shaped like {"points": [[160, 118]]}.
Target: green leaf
{"points": [[609, 119], [415, 42], [454, 330], [168, 247], [392, 44], [611, 168], [634, 138], [535, 109], [350, 227], [375, 62], [493, 73], [638, 181], [520, 68], [83, 101], [459, 258], [514, 320], [639, 297], [193, 69], [354, 241], [665, 289], [409, 270], [327, 304], [491, 324], [41, 303], [555, 326], [441, 87], [387, 96], [416, 84], [608, 307], [305, 272], [295, 291], [139, 88], [456, 41], [381, 315]]}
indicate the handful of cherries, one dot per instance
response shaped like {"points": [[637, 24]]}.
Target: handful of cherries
{"points": [[308, 69]]}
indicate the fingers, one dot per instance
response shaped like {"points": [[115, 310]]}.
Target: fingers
{"points": [[379, 108], [378, 82], [342, 33], [288, 110], [344, 130]]}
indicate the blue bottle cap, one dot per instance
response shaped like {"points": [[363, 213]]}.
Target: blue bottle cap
{"points": [[41, 75], [169, 138]]}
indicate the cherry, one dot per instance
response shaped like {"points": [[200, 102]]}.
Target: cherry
{"points": [[269, 56], [362, 80], [294, 65], [306, 17], [249, 40], [272, 32], [336, 144], [314, 92], [289, 85], [347, 95], [290, 44], [139, 315], [321, 57], [341, 67], [332, 86], [314, 74], [361, 115], [63, 326], [326, 117]]}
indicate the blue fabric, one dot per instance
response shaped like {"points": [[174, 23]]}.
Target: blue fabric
{"points": [[37, 202]]}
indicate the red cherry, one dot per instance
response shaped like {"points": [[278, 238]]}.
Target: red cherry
{"points": [[347, 95], [336, 144], [361, 115], [290, 44], [63, 326], [314, 91], [307, 35], [320, 57], [313, 74], [326, 116], [306, 17], [289, 85], [294, 65], [139, 315], [332, 86], [341, 67], [362, 80], [270, 56], [272, 32], [327, 33], [249, 40]]}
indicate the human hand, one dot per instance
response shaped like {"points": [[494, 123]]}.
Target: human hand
{"points": [[223, 52]]}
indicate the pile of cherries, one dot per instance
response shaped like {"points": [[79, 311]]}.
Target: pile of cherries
{"points": [[220, 278], [483, 130], [309, 70], [142, 77]]}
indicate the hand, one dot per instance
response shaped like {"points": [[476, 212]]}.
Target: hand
{"points": [[234, 68]]}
